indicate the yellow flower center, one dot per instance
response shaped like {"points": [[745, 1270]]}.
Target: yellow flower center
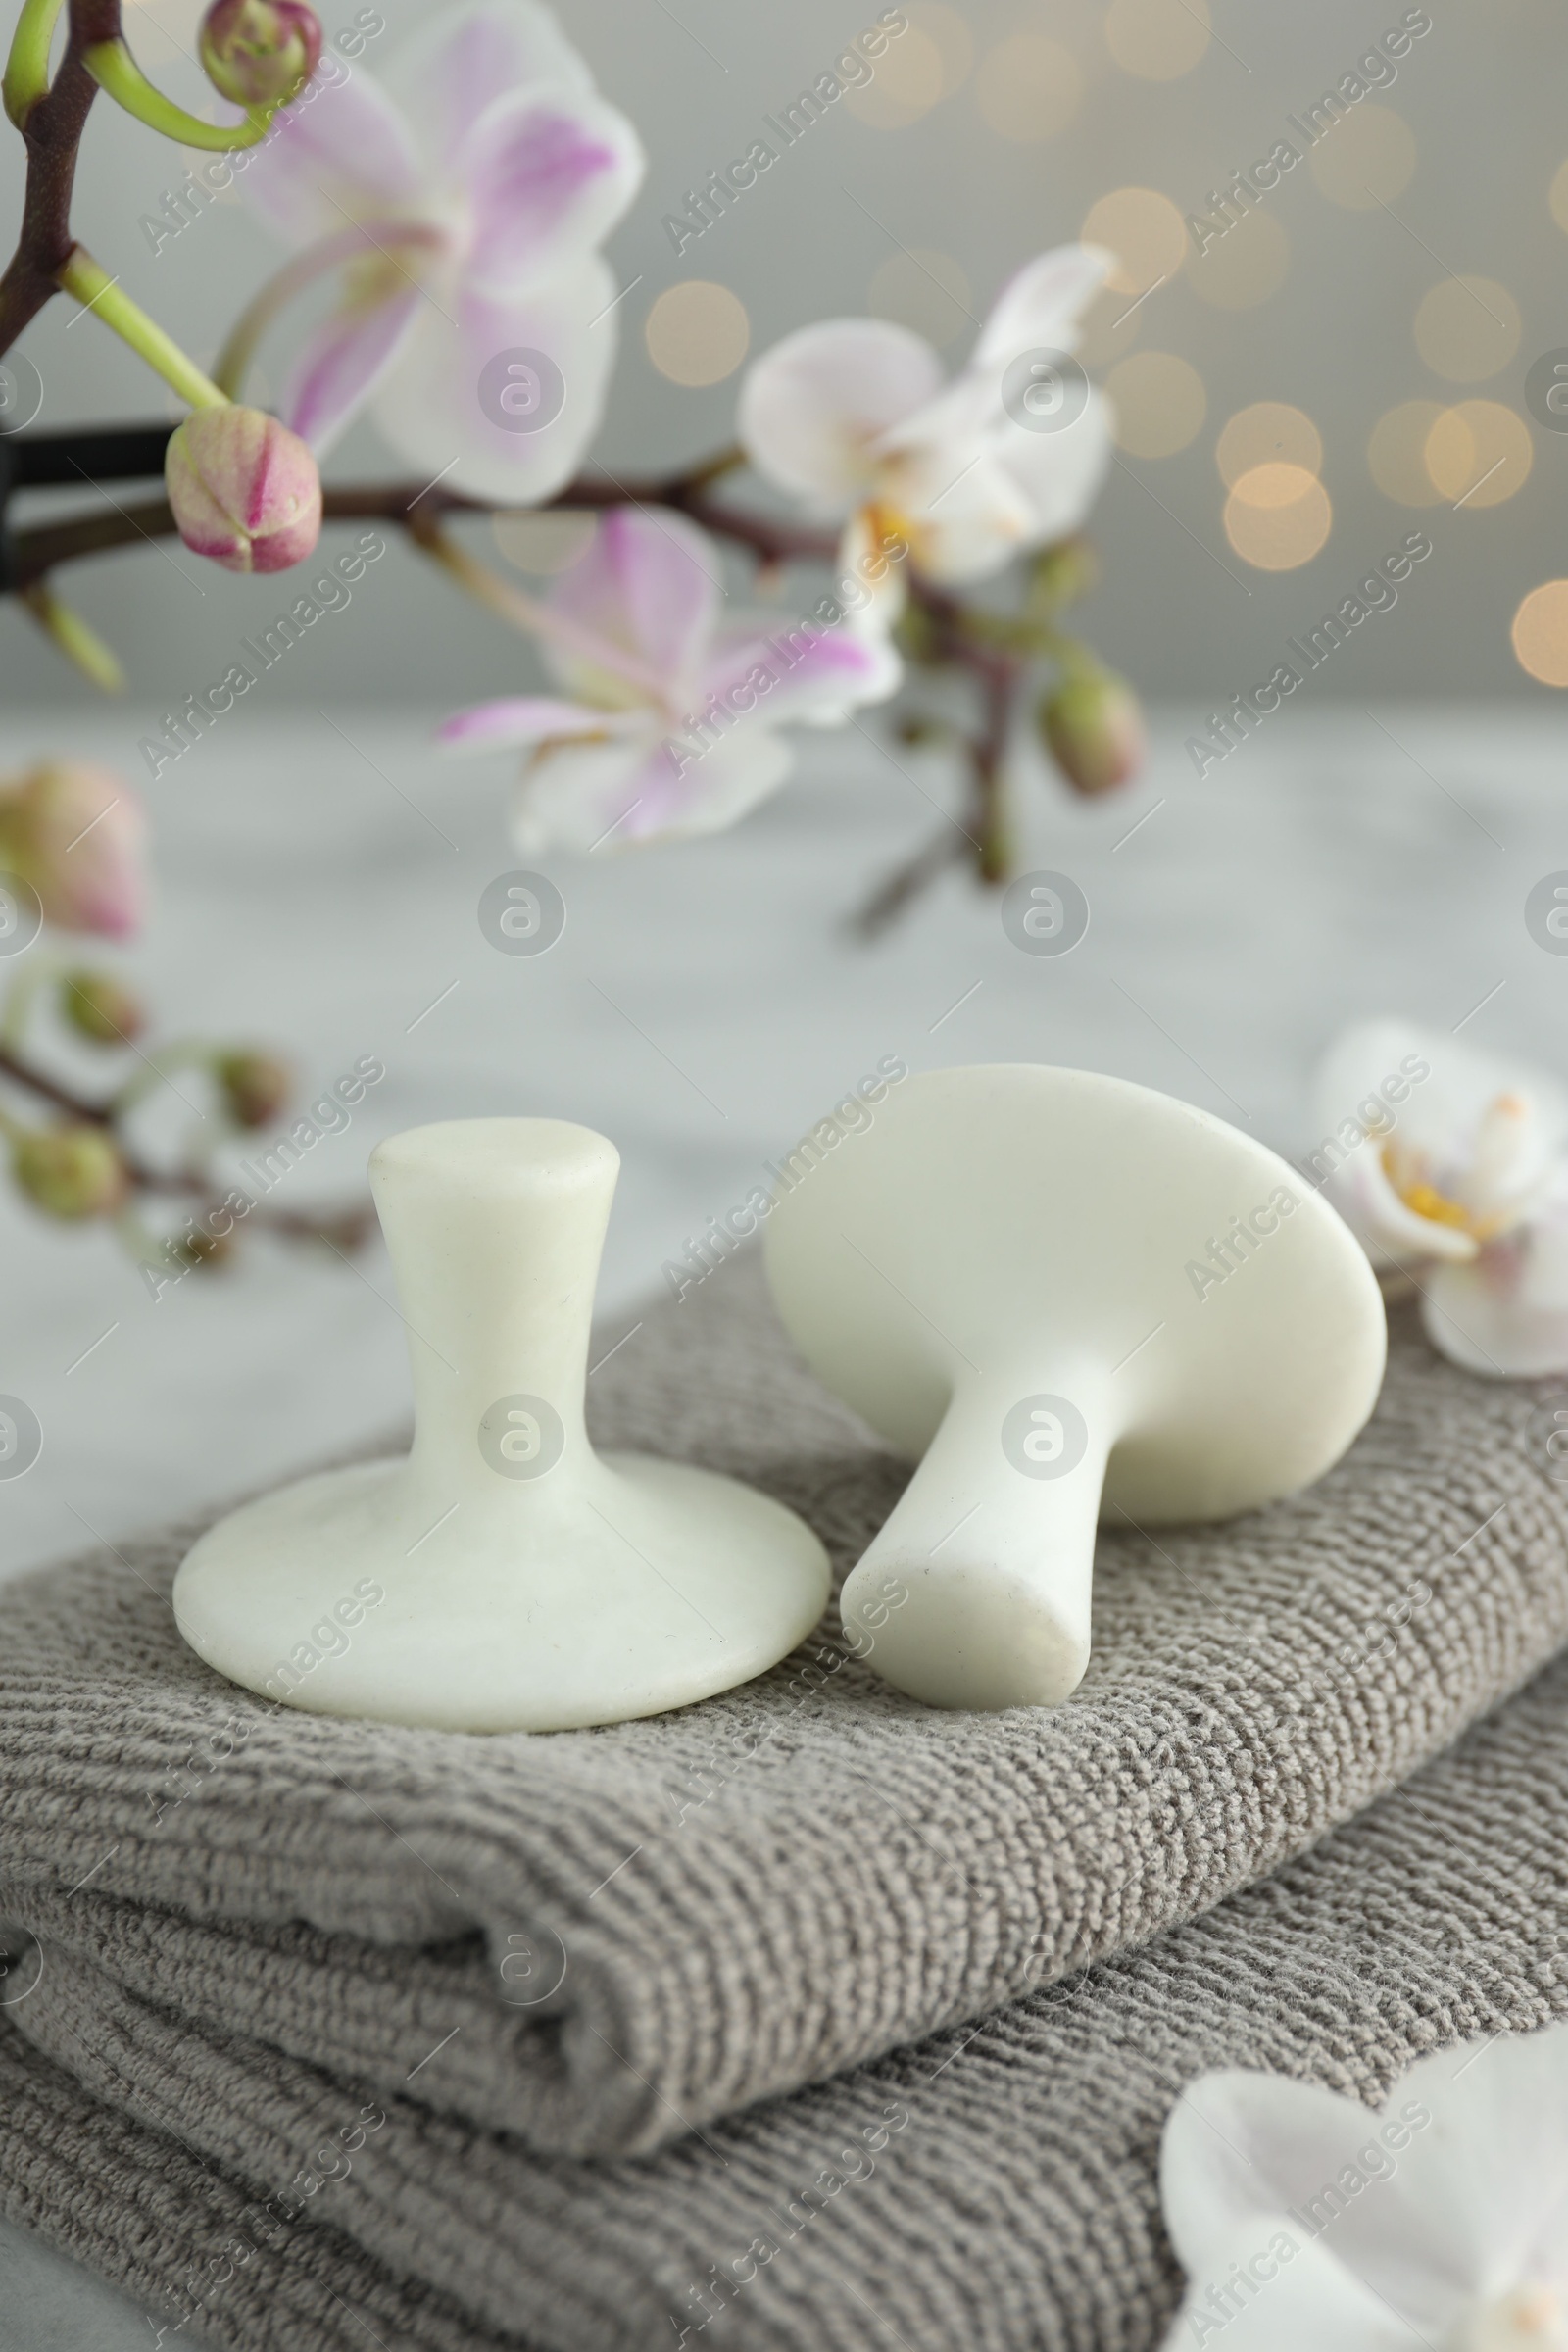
{"points": [[1408, 1176]]}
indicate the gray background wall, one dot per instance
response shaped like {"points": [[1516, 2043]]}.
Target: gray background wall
{"points": [[1482, 94]]}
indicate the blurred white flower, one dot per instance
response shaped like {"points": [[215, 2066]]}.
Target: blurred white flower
{"points": [[854, 415], [1458, 1179], [465, 222], [1306, 2223], [672, 727]]}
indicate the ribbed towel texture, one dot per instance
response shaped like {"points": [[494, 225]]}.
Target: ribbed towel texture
{"points": [[261, 1928]]}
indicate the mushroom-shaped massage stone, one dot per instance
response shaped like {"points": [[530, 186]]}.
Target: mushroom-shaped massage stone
{"points": [[505, 1577], [1062, 1293]]}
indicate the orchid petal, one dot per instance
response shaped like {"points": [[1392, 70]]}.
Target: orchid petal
{"points": [[965, 514], [461, 61], [1458, 1082], [1041, 307], [814, 406], [430, 407], [1505, 1315], [817, 676], [649, 586], [342, 153], [1061, 473], [584, 797], [548, 177], [342, 364], [521, 721], [1390, 1231]]}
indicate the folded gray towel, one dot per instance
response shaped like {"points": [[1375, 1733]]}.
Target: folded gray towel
{"points": [[992, 2187], [622, 1934]]}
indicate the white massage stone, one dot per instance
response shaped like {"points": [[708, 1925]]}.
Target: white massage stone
{"points": [[1060, 1293], [526, 1582]]}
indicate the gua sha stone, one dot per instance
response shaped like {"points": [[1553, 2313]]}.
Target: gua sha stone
{"points": [[1062, 1293], [504, 1577]]}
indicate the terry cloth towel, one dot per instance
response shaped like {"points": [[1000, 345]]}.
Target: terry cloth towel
{"points": [[992, 2187], [618, 1935]]}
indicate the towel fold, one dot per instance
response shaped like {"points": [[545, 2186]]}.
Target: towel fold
{"points": [[620, 1936], [991, 2187]]}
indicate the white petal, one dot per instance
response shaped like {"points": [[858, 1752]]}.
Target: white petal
{"points": [[1297, 2298], [965, 515], [1390, 1231], [1059, 474], [608, 796], [343, 362], [1042, 305], [648, 585], [341, 154], [454, 68], [520, 722], [817, 676], [430, 406], [1506, 1314], [548, 176], [1459, 1082], [811, 407]]}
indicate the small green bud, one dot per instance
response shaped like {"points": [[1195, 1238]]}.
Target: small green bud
{"points": [[69, 1171], [255, 1087], [1094, 729], [96, 1005], [259, 52]]}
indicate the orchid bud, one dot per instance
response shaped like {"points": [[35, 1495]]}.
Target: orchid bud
{"points": [[69, 1171], [259, 52], [1094, 729], [75, 833], [97, 1005], [244, 489], [254, 1086]]}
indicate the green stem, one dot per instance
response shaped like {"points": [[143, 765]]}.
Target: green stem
{"points": [[116, 72], [26, 78], [97, 291], [20, 997], [185, 1054], [79, 643]]}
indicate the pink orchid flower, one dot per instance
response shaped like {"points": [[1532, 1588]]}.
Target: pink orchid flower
{"points": [[853, 417], [674, 728], [465, 223]]}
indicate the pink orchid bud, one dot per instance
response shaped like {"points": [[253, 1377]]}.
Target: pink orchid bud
{"points": [[1094, 729], [259, 52], [75, 833], [244, 489]]}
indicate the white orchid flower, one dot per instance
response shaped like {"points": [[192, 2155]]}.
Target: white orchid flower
{"points": [[852, 414], [1451, 1166], [462, 205], [673, 728], [1307, 2222]]}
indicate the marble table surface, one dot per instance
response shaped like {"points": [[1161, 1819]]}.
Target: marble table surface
{"points": [[318, 882]]}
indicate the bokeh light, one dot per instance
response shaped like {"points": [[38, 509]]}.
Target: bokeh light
{"points": [[1278, 516], [697, 332], [1158, 403], [1467, 328], [1396, 453], [1270, 432], [1028, 87], [950, 29], [1144, 230], [1479, 453], [1109, 327], [1158, 40], [1541, 633], [1557, 197], [909, 76], [1370, 159], [1246, 266], [927, 291], [543, 543]]}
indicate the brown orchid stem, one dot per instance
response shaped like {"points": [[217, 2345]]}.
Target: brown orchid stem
{"points": [[51, 128], [345, 1229]]}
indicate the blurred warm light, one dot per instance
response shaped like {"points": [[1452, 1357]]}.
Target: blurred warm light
{"points": [[910, 76], [1467, 328], [1479, 453], [1557, 197], [1268, 433], [543, 542], [1158, 403], [925, 290], [1109, 327], [951, 31], [1277, 517], [1158, 40], [1368, 160], [1396, 453], [1246, 266], [1144, 230], [1028, 87], [697, 332], [1541, 633]]}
